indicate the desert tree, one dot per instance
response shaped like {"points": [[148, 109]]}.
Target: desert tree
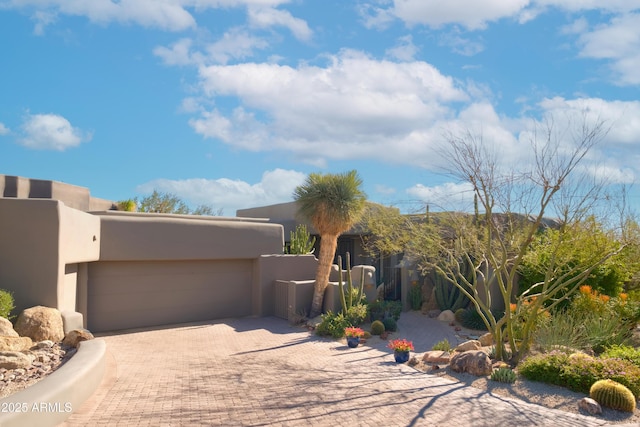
{"points": [[333, 203]]}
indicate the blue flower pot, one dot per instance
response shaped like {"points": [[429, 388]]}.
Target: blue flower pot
{"points": [[353, 342], [401, 356]]}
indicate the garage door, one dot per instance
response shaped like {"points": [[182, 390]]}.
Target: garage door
{"points": [[123, 295]]}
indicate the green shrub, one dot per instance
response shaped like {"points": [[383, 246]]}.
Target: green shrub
{"points": [[381, 309], [6, 304], [471, 319], [377, 327], [504, 375], [356, 314], [332, 325], [613, 395], [443, 345], [459, 313], [580, 373], [623, 352], [390, 324]]}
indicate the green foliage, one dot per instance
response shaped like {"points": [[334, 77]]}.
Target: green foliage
{"points": [[300, 241], [443, 345], [504, 375], [390, 324], [459, 313], [159, 202], [381, 309], [492, 353], [471, 319], [592, 321], [128, 205], [332, 325], [6, 304], [589, 240], [624, 352], [580, 373], [415, 296], [377, 327], [356, 314], [613, 395]]}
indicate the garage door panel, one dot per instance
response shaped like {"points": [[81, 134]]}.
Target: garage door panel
{"points": [[139, 294]]}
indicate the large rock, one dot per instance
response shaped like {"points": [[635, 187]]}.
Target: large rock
{"points": [[437, 357], [447, 316], [40, 323], [468, 345], [475, 362], [6, 328], [14, 360], [590, 406], [486, 340], [15, 343], [75, 337]]}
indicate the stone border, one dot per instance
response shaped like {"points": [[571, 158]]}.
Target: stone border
{"points": [[51, 400]]}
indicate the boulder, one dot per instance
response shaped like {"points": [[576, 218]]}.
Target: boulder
{"points": [[14, 360], [486, 340], [475, 362], [468, 345], [437, 356], [75, 337], [40, 323], [590, 406], [15, 343], [6, 328], [447, 316]]}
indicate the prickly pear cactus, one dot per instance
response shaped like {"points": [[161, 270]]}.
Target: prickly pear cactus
{"points": [[613, 395]]}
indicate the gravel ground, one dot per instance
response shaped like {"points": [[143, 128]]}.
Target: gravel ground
{"points": [[546, 395]]}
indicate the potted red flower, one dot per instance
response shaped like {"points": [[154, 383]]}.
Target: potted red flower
{"points": [[353, 336], [401, 349]]}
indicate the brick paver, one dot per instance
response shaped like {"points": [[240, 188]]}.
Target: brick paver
{"points": [[264, 372]]}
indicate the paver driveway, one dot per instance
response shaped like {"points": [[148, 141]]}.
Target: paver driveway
{"points": [[264, 372]]}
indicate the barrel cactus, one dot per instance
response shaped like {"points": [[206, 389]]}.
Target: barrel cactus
{"points": [[613, 395], [377, 327]]}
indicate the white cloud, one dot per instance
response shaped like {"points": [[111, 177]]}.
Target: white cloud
{"points": [[618, 41], [267, 17], [459, 44], [352, 107], [404, 50], [472, 14], [275, 186], [3, 129], [170, 15], [448, 196], [179, 53], [234, 44], [51, 132]]}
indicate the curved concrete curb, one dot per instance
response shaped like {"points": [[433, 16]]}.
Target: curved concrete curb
{"points": [[52, 400]]}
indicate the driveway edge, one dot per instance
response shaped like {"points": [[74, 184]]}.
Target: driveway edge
{"points": [[52, 400]]}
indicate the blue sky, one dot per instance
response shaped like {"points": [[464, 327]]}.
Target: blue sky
{"points": [[231, 103]]}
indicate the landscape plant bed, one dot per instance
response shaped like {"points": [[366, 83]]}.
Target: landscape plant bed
{"points": [[547, 395]]}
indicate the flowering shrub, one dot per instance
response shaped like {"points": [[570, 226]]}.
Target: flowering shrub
{"points": [[579, 373], [400, 345], [353, 332]]}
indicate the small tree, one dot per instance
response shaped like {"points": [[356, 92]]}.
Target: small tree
{"points": [[333, 204], [159, 202]]}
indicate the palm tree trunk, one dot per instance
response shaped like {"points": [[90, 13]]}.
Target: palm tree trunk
{"points": [[328, 244]]}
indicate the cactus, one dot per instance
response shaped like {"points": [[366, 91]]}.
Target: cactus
{"points": [[613, 395], [504, 375], [377, 327], [300, 241], [448, 296], [347, 298]]}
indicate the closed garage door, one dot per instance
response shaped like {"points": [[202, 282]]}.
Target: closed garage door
{"points": [[123, 295]]}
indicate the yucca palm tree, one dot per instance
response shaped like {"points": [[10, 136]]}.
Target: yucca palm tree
{"points": [[333, 203]]}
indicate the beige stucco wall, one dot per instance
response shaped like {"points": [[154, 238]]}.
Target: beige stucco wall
{"points": [[38, 239]]}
